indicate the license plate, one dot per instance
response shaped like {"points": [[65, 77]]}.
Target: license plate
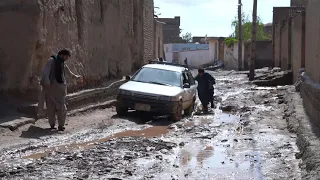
{"points": [[142, 107]]}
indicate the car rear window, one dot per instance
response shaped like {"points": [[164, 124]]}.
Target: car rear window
{"points": [[161, 76]]}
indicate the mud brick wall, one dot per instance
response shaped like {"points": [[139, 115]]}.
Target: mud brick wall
{"points": [[298, 43], [284, 55], [280, 15], [310, 88], [263, 54], [276, 45], [312, 61], [299, 2], [310, 92], [108, 38], [148, 31], [158, 39]]}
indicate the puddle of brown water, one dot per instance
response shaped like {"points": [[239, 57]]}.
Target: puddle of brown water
{"points": [[204, 154], [148, 133], [211, 158]]}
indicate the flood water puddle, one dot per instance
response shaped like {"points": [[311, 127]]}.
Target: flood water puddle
{"points": [[150, 132], [215, 120], [217, 161]]}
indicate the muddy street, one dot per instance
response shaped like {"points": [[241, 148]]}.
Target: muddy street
{"points": [[244, 137]]}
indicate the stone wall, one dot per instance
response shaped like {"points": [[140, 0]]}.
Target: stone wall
{"points": [[108, 38]]}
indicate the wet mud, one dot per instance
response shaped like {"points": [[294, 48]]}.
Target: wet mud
{"points": [[244, 137]]}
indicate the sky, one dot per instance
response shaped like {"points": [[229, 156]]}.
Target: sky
{"points": [[213, 17]]}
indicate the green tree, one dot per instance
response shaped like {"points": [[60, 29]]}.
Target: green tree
{"points": [[187, 37], [247, 28]]}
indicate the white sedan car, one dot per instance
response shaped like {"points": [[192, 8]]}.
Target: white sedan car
{"points": [[160, 87]]}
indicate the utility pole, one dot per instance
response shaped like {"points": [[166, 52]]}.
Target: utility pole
{"points": [[253, 41], [239, 35]]}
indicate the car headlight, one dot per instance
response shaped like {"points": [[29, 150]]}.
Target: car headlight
{"points": [[165, 98], [125, 92]]}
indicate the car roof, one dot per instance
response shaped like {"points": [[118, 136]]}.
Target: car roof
{"points": [[166, 67]]}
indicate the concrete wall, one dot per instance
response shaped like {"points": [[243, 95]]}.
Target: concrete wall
{"points": [[195, 58], [177, 48], [213, 50], [108, 38], [231, 57], [263, 54]]}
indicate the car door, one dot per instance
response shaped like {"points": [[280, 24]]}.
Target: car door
{"points": [[193, 85], [186, 91]]}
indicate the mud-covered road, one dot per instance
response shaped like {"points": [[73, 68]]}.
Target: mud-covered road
{"points": [[245, 137]]}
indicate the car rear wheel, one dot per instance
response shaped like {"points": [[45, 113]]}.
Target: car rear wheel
{"points": [[121, 110], [177, 115], [190, 109]]}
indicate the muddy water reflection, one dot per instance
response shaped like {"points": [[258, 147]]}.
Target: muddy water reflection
{"points": [[148, 133], [204, 154], [215, 160]]}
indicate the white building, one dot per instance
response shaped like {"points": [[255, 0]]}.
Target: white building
{"points": [[196, 54]]}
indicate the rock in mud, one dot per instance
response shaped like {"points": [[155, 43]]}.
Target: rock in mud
{"points": [[94, 162], [228, 108], [160, 157], [164, 151], [181, 144]]}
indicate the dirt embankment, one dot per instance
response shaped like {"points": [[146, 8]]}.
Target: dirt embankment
{"points": [[308, 134]]}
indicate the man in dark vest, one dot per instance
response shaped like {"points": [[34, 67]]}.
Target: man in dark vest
{"points": [[205, 88], [54, 86]]}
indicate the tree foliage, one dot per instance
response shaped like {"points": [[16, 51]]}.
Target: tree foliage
{"points": [[187, 37], [246, 30]]}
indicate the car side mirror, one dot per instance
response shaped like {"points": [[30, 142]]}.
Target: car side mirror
{"points": [[186, 85], [128, 78]]}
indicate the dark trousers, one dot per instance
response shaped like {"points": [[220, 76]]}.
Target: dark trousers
{"points": [[204, 98], [211, 96]]}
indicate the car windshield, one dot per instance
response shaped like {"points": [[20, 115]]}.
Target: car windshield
{"points": [[158, 76]]}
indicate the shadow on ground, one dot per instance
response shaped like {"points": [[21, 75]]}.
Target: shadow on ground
{"points": [[36, 132]]}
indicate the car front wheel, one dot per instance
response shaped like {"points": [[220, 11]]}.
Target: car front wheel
{"points": [[177, 115], [121, 110], [190, 109]]}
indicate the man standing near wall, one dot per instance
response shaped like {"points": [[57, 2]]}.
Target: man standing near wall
{"points": [[54, 87]]}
